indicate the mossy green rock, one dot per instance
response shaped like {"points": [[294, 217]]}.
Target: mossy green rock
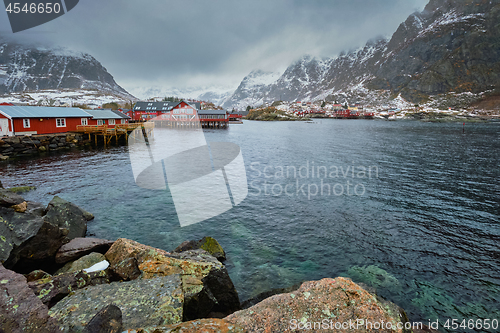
{"points": [[208, 244], [82, 263], [143, 303], [22, 189], [213, 247]]}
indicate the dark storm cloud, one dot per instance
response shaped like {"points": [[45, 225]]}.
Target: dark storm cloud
{"points": [[198, 42]]}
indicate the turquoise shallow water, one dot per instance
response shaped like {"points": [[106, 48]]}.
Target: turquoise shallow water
{"points": [[423, 226]]}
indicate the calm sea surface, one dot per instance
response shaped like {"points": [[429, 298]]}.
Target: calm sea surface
{"points": [[409, 208]]}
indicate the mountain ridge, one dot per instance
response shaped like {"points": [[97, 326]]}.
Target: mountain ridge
{"points": [[30, 69], [451, 47]]}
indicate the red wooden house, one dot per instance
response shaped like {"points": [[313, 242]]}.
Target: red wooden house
{"points": [[28, 120]]}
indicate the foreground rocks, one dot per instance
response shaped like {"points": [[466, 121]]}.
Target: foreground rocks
{"points": [[30, 238], [206, 284], [146, 290], [143, 303], [326, 301], [20, 309]]}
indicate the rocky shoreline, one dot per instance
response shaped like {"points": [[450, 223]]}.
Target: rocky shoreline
{"points": [[54, 279], [20, 146]]}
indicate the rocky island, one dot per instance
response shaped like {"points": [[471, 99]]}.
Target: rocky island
{"points": [[54, 279]]}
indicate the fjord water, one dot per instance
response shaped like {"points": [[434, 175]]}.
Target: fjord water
{"points": [[422, 225]]}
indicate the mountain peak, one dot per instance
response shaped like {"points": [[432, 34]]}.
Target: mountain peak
{"points": [[33, 68]]}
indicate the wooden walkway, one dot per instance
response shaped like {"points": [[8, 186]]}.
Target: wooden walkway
{"points": [[118, 132]]}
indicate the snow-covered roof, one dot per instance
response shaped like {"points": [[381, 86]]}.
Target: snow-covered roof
{"points": [[106, 114], [41, 111]]}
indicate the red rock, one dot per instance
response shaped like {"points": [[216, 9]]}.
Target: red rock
{"points": [[323, 303]]}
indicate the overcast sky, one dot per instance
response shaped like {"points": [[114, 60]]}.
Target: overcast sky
{"points": [[183, 43]]}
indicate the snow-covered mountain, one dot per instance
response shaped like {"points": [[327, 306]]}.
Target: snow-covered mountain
{"points": [[252, 90], [449, 48], [30, 69], [214, 94]]}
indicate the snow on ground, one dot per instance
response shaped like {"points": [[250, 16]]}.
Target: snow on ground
{"points": [[60, 97]]}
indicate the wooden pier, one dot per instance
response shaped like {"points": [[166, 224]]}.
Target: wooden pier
{"points": [[118, 132]]}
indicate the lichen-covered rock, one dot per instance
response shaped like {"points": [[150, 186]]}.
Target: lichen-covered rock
{"points": [[143, 303], [78, 247], [210, 325], [108, 320], [124, 248], [37, 274], [327, 303], [84, 262], [67, 215], [206, 284], [126, 270], [62, 222], [15, 229], [208, 244], [52, 289], [20, 309]]}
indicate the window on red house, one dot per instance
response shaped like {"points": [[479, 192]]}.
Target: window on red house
{"points": [[60, 122]]}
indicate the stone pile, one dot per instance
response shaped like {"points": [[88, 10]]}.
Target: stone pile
{"points": [[31, 145]]}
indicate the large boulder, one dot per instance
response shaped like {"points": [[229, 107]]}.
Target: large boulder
{"points": [[327, 303], [125, 248], [20, 309], [16, 229], [68, 216], [62, 222], [143, 303], [80, 247], [208, 244], [206, 284], [51, 290]]}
